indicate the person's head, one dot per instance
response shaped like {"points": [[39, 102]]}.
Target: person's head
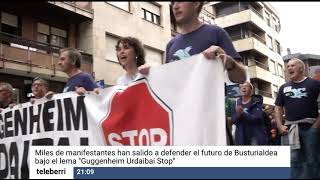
{"points": [[69, 59], [184, 12], [6, 91], [130, 52], [246, 89], [268, 109], [39, 87], [295, 69], [317, 74]]}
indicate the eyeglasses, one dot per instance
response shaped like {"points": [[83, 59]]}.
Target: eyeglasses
{"points": [[37, 84]]}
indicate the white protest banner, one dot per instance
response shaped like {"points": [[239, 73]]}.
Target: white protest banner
{"points": [[180, 103]]}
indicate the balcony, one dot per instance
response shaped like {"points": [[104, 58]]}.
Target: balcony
{"points": [[22, 56], [251, 42], [206, 17], [251, 34], [243, 16], [83, 8], [255, 11], [259, 64], [267, 97], [260, 71]]}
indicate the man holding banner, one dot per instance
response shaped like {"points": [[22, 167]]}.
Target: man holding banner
{"points": [[70, 63], [194, 40]]}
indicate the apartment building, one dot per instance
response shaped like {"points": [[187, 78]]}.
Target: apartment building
{"points": [[254, 29], [31, 35]]}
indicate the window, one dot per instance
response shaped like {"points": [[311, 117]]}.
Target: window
{"points": [[274, 23], [268, 18], [278, 47], [52, 35], [151, 12], [275, 90], [10, 24], [111, 42], [280, 70], [58, 37], [43, 33], [313, 62], [149, 16], [124, 5], [272, 67], [153, 56], [245, 60], [278, 26], [269, 42]]}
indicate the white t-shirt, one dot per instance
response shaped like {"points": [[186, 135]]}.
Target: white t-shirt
{"points": [[127, 79]]}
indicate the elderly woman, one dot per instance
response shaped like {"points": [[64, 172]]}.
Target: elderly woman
{"points": [[131, 55]]}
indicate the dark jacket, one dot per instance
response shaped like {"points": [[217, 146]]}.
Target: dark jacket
{"points": [[250, 125]]}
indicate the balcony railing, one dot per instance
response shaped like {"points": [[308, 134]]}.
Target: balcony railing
{"points": [[264, 93], [260, 64], [259, 38], [255, 11], [251, 34], [207, 13], [84, 5], [12, 39], [18, 50], [206, 17], [242, 9]]}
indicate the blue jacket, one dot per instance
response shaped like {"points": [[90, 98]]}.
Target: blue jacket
{"points": [[250, 125]]}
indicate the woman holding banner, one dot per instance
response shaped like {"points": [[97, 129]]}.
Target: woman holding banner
{"points": [[131, 55]]}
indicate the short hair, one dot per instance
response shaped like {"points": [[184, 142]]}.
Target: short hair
{"points": [[199, 8], [74, 55], [7, 86], [300, 62], [44, 82], [137, 46], [248, 83]]}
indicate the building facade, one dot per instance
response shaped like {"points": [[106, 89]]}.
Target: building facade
{"points": [[31, 35], [254, 29]]}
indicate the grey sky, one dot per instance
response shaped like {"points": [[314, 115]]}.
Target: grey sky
{"points": [[300, 26]]}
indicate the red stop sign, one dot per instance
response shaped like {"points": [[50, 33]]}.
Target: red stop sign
{"points": [[137, 116]]}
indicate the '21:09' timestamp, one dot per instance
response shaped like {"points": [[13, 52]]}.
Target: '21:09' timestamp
{"points": [[85, 171]]}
